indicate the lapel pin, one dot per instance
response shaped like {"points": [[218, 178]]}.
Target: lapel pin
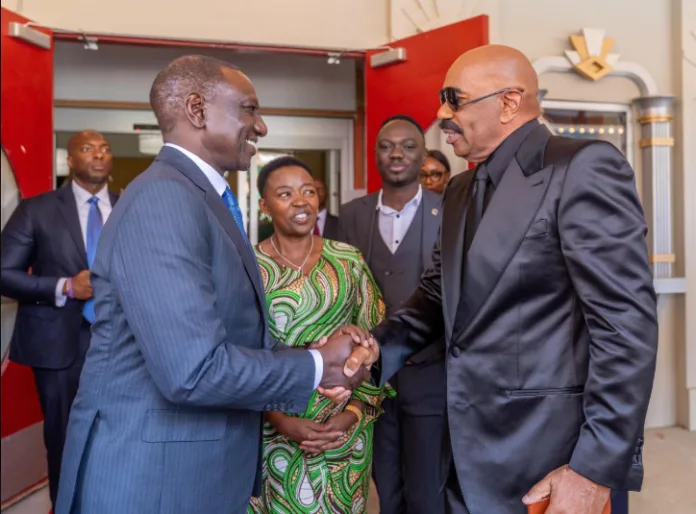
{"points": [[434, 212]]}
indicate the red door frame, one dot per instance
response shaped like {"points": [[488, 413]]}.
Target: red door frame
{"points": [[26, 112], [411, 87]]}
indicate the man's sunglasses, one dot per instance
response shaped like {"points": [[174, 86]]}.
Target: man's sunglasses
{"points": [[450, 96]]}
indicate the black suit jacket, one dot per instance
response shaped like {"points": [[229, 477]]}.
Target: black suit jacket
{"points": [[553, 355], [331, 227], [44, 235]]}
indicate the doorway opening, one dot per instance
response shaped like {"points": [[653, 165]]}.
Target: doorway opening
{"points": [[325, 144]]}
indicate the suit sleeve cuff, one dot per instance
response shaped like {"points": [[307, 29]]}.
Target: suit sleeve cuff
{"points": [[318, 367], [60, 297]]}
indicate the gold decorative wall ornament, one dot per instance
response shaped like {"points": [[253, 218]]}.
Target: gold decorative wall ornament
{"points": [[656, 141], [591, 57], [655, 118]]}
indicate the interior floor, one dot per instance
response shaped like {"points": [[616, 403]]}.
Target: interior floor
{"points": [[670, 468]]}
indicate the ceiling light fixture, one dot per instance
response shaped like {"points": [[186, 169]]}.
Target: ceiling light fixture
{"points": [[334, 58]]}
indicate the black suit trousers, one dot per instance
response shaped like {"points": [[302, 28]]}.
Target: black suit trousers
{"points": [[57, 389], [454, 499], [406, 460]]}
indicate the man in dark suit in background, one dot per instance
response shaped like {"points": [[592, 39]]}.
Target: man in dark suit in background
{"points": [[327, 223], [55, 235], [542, 287], [395, 229]]}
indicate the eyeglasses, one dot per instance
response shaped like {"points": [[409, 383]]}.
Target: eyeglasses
{"points": [[449, 96], [435, 175]]}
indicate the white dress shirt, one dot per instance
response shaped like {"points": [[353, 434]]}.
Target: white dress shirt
{"points": [[82, 197], [321, 221], [218, 181], [220, 184], [394, 224]]}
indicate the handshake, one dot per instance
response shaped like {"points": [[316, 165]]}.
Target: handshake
{"points": [[348, 354]]}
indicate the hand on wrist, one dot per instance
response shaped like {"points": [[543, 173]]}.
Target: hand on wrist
{"points": [[68, 288]]}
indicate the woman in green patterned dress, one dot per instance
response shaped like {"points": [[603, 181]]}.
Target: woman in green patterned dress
{"points": [[319, 462]]}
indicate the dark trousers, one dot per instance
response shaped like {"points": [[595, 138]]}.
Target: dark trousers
{"points": [[57, 389], [406, 461], [454, 499], [456, 505], [619, 502]]}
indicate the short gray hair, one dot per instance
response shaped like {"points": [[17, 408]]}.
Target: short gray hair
{"points": [[181, 77]]}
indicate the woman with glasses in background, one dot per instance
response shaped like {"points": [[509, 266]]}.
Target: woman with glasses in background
{"points": [[435, 172]]}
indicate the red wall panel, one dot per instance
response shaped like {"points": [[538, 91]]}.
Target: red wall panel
{"points": [[411, 87]]}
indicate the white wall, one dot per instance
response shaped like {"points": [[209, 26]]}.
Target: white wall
{"points": [[542, 27], [314, 23], [643, 35], [125, 73], [687, 359]]}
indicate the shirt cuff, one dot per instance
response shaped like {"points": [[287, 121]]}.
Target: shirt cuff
{"points": [[60, 297], [318, 367]]}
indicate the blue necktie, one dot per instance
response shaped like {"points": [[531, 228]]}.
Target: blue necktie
{"points": [[232, 205], [94, 226]]}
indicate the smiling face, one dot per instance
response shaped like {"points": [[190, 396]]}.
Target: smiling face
{"points": [[400, 152], [493, 91], [290, 198], [473, 130], [232, 121]]}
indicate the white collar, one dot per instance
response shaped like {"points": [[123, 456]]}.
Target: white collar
{"points": [[82, 196], [218, 181], [413, 202]]}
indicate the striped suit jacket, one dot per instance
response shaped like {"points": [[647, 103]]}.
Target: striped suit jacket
{"points": [[168, 418]]}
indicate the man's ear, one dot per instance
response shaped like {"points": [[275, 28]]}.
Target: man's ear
{"points": [[195, 110], [512, 102]]}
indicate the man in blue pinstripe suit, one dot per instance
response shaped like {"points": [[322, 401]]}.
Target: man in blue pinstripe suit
{"points": [[168, 418]]}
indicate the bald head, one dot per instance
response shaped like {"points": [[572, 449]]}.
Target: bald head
{"points": [[494, 67], [89, 159], [496, 91], [76, 142], [183, 76]]}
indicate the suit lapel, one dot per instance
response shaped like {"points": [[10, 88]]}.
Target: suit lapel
{"points": [[452, 244], [503, 226], [365, 224], [214, 201], [68, 209], [431, 224]]}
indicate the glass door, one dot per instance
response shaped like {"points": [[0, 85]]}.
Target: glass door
{"points": [[325, 144], [325, 165], [10, 201]]}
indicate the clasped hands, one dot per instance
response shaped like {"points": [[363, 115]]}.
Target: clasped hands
{"points": [[348, 354], [312, 437]]}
